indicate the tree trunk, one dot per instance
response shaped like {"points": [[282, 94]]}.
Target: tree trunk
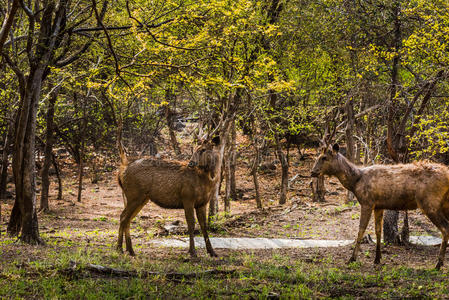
{"points": [[391, 235], [318, 189], [350, 140], [405, 232], [284, 167], [81, 170], [58, 176], [282, 157], [48, 152], [171, 130], [82, 142], [254, 169], [233, 159], [5, 163], [227, 175], [24, 217]]}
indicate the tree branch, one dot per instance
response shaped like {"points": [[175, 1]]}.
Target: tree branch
{"points": [[108, 38], [7, 23]]}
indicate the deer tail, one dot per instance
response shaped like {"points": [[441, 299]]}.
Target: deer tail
{"points": [[123, 158]]}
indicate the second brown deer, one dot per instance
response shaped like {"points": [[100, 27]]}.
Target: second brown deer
{"points": [[396, 187], [170, 184]]}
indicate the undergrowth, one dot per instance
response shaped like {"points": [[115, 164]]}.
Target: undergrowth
{"points": [[55, 271]]}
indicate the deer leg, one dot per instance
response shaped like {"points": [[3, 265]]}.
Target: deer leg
{"points": [[120, 233], [440, 221], [201, 216], [135, 210], [378, 218], [126, 216], [190, 218], [364, 220], [121, 229]]}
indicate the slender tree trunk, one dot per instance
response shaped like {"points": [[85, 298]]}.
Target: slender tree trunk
{"points": [[350, 140], [82, 142], [58, 176], [405, 232], [254, 169], [227, 175], [282, 157], [170, 124], [233, 159], [318, 189], [48, 152], [80, 174], [5, 163], [82, 151], [284, 166], [173, 140]]}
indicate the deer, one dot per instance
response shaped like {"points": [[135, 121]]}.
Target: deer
{"points": [[171, 185], [422, 185]]}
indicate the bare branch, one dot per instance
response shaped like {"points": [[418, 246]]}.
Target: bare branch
{"points": [[7, 23], [90, 29], [27, 10]]}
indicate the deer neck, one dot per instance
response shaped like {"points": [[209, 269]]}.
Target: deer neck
{"points": [[212, 175], [348, 174]]}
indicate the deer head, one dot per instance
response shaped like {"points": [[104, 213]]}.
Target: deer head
{"points": [[206, 155], [327, 162]]}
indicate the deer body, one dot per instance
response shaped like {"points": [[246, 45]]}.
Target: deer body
{"points": [[172, 185], [395, 187], [167, 184]]}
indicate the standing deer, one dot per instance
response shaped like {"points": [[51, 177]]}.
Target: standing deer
{"points": [[396, 187], [170, 185]]}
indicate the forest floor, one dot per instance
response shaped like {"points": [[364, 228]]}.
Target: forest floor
{"points": [[81, 233]]}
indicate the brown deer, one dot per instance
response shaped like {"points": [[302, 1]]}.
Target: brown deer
{"points": [[170, 184], [396, 187]]}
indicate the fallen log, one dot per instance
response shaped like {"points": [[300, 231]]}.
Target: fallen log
{"points": [[108, 271]]}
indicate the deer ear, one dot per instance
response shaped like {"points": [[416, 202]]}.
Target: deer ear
{"points": [[216, 140], [336, 148]]}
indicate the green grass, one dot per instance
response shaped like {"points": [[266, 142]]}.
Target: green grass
{"points": [[38, 273]]}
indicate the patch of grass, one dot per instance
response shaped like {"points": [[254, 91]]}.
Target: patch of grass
{"points": [[39, 272]]}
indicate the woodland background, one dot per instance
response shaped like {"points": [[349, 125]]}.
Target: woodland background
{"points": [[373, 74]]}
